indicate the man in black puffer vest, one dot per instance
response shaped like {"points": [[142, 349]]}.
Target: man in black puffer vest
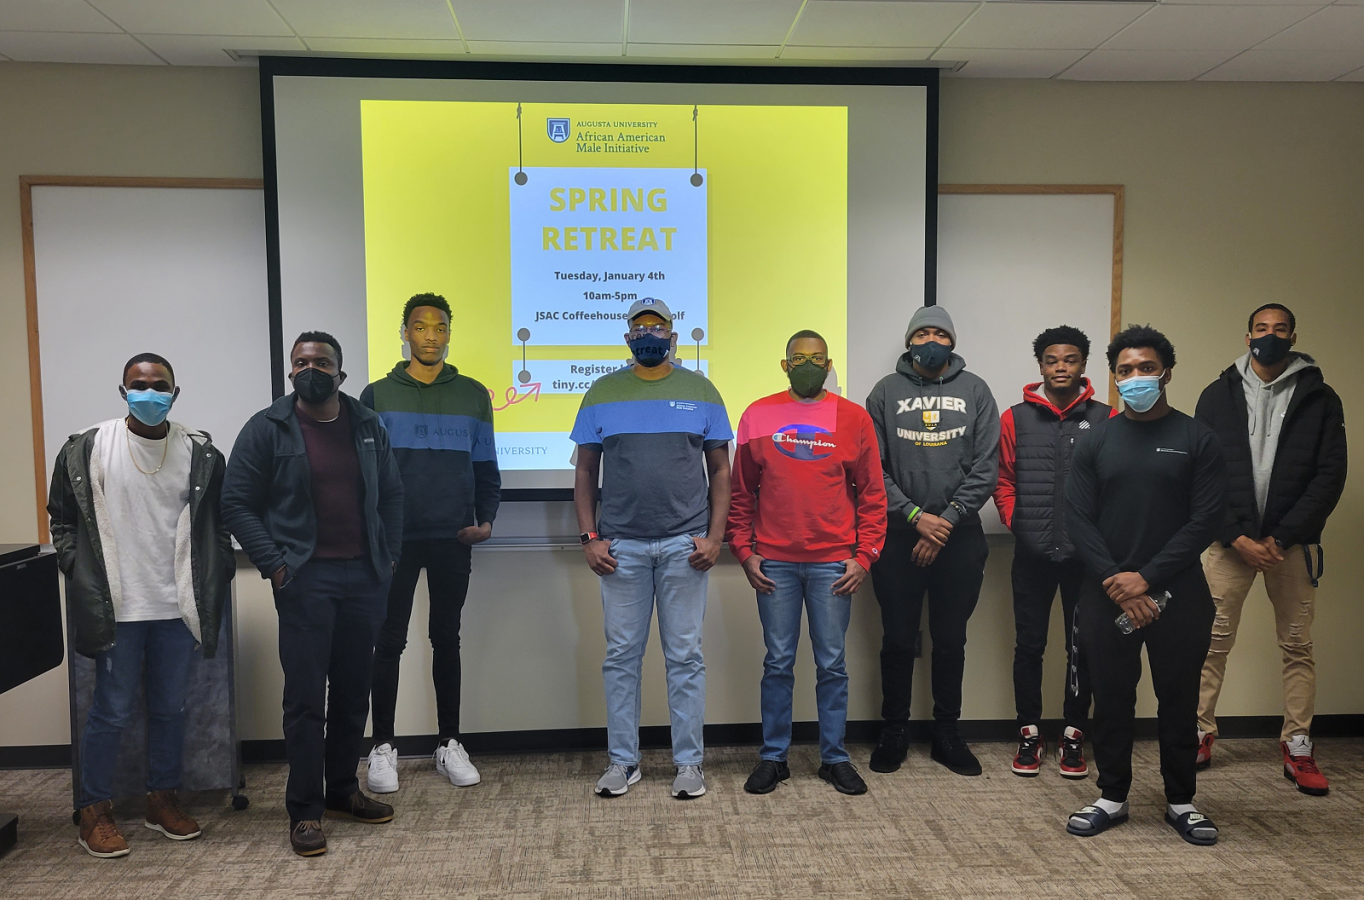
{"points": [[1283, 435], [1035, 442]]}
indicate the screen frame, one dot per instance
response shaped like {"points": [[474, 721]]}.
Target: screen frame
{"points": [[347, 67]]}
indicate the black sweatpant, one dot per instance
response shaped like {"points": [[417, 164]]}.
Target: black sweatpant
{"points": [[952, 583], [1176, 646], [447, 563], [329, 615], [1035, 582]]}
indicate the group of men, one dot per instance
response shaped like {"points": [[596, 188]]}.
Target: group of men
{"points": [[341, 503]]}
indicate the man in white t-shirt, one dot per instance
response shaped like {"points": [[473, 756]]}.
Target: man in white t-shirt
{"points": [[135, 521]]}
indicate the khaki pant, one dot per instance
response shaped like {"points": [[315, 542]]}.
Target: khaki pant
{"points": [[1294, 599]]}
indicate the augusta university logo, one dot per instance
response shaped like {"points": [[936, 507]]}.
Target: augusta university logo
{"points": [[803, 441], [558, 130]]}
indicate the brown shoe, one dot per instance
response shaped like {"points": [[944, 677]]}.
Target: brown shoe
{"points": [[164, 815], [307, 839], [360, 808], [99, 835]]}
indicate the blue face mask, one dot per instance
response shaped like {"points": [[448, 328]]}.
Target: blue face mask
{"points": [[650, 350], [1140, 392], [149, 407], [930, 355]]}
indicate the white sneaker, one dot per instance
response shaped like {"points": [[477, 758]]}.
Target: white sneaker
{"points": [[452, 761], [383, 769]]}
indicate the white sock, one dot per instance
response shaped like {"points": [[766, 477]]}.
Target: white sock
{"points": [[1179, 809], [1111, 807]]}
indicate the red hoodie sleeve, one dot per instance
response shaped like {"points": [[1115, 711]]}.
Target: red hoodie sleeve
{"points": [[1008, 451], [871, 497], [745, 476]]}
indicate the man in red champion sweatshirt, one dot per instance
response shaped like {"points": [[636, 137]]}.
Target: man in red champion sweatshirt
{"points": [[807, 520]]}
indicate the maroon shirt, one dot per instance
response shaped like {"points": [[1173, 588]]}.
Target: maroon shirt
{"points": [[337, 486]]}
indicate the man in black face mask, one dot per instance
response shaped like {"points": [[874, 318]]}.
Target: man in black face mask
{"points": [[314, 496], [1283, 436]]}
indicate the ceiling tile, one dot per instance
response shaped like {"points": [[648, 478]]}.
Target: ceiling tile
{"points": [[835, 54], [877, 23], [195, 17], [712, 22], [1146, 65], [1334, 28], [48, 46], [421, 19], [211, 50], [544, 49], [1287, 65], [581, 21], [702, 51], [52, 15], [1009, 63], [1206, 27], [386, 46], [1045, 26]]}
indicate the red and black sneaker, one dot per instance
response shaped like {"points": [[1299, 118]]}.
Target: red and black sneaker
{"points": [[1028, 759], [1205, 749], [1071, 754], [1300, 767]]}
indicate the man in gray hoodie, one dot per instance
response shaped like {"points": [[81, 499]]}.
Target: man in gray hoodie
{"points": [[938, 428]]}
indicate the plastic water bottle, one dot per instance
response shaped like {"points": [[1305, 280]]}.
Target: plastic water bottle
{"points": [[1125, 624]]}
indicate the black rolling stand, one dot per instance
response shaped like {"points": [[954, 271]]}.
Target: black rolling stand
{"points": [[30, 630]]}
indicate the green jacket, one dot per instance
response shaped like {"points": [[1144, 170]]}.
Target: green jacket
{"points": [[75, 534]]}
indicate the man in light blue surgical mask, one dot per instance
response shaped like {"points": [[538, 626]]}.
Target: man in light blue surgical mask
{"points": [[148, 566]]}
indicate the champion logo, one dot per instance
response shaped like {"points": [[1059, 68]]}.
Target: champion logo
{"points": [[805, 442], [1084, 425]]}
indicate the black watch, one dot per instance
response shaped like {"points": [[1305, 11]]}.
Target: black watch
{"points": [[587, 537]]}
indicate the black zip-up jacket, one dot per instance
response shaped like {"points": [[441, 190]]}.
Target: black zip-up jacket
{"points": [[1309, 466], [80, 555], [267, 494]]}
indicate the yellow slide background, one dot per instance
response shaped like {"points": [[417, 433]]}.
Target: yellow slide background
{"points": [[437, 219]]}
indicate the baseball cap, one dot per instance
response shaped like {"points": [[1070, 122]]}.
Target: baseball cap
{"points": [[650, 305]]}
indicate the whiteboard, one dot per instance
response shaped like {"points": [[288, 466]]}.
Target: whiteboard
{"points": [[169, 270], [1013, 265]]}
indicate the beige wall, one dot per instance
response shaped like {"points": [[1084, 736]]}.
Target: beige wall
{"points": [[1236, 195]]}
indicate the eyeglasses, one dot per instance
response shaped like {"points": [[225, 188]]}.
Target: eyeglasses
{"points": [[801, 359], [656, 330]]}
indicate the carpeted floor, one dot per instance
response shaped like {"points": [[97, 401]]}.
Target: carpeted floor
{"points": [[533, 829]]}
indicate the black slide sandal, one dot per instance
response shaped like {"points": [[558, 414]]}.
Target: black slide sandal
{"points": [[1189, 824], [1099, 821]]}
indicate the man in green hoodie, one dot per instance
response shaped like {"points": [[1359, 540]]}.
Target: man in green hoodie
{"points": [[440, 424], [938, 428]]}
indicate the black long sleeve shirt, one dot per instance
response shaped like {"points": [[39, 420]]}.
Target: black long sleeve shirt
{"points": [[1146, 497]]}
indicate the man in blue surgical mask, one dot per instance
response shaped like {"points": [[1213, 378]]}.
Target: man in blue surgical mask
{"points": [[1146, 493], [134, 509]]}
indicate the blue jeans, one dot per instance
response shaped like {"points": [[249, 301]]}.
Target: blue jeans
{"points": [[809, 585], [649, 570], [168, 648]]}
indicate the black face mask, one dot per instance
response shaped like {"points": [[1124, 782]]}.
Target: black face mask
{"points": [[315, 386], [1269, 349], [807, 379], [650, 350], [930, 355]]}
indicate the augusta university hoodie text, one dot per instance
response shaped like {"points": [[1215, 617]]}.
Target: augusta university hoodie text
{"points": [[939, 441]]}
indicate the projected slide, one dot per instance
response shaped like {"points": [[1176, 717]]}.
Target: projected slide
{"points": [[542, 222]]}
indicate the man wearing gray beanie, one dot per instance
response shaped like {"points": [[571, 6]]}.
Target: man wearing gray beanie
{"points": [[939, 434]]}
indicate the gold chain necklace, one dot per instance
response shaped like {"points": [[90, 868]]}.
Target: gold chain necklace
{"points": [[127, 436]]}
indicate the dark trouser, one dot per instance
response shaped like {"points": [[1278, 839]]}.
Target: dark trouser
{"points": [[329, 615], [1035, 581], [1176, 646], [953, 586], [447, 563]]}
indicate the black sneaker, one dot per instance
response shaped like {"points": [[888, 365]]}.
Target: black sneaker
{"points": [[951, 751], [891, 750], [843, 776], [360, 808], [766, 776]]}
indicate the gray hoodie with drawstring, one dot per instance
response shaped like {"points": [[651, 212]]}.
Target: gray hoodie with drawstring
{"points": [[1266, 405]]}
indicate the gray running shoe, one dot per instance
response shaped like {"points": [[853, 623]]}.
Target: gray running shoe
{"points": [[617, 779], [689, 783]]}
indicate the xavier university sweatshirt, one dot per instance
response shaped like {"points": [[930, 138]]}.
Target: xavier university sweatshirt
{"points": [[807, 483]]}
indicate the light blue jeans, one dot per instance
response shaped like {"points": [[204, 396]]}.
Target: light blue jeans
{"points": [[808, 585], [649, 571]]}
